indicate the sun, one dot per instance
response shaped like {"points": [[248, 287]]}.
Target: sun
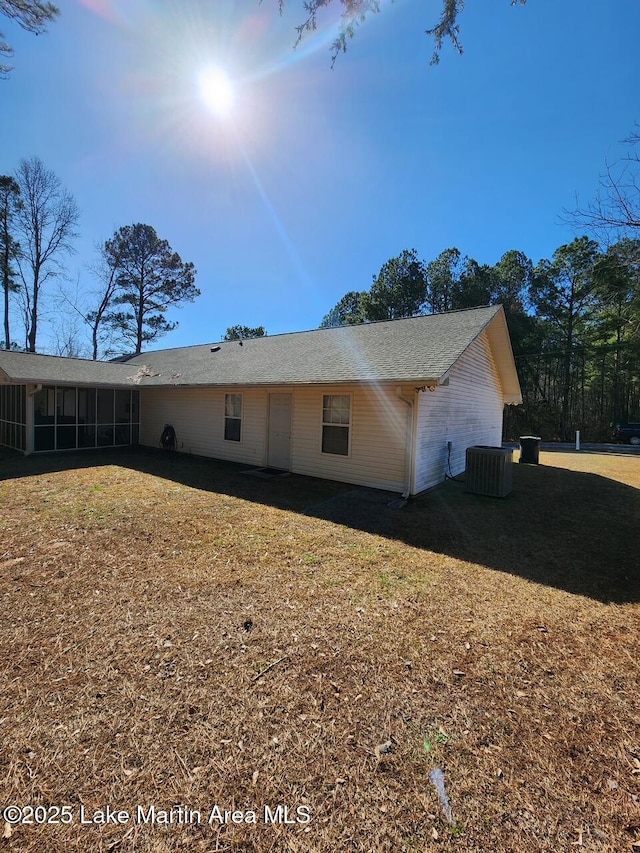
{"points": [[216, 91]]}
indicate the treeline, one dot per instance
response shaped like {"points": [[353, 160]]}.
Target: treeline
{"points": [[574, 321], [137, 276], [574, 318]]}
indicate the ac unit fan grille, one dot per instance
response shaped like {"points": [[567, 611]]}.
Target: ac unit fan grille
{"points": [[489, 471]]}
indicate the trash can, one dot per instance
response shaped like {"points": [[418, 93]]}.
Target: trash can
{"points": [[530, 449]]}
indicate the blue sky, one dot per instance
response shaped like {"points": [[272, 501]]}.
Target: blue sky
{"points": [[316, 176]]}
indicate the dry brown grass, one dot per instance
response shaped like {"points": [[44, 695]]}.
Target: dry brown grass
{"points": [[174, 632]]}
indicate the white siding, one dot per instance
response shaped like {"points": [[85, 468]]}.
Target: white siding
{"points": [[197, 415], [466, 412], [377, 440], [377, 432]]}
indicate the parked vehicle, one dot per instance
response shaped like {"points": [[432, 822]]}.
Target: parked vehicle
{"points": [[629, 433]]}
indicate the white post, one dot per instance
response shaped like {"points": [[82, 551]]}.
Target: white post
{"points": [[577, 439]]}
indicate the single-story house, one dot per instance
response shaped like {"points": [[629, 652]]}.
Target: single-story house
{"points": [[392, 405]]}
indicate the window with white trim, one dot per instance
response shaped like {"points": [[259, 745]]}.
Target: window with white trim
{"points": [[232, 417], [336, 422]]}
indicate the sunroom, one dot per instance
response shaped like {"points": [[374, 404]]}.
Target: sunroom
{"points": [[50, 417], [51, 403], [70, 418]]}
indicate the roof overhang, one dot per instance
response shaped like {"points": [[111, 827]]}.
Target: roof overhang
{"points": [[500, 342]]}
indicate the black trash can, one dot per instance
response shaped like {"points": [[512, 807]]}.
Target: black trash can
{"points": [[530, 449]]}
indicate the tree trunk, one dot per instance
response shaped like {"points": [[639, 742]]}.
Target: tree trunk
{"points": [[7, 335], [139, 330], [94, 340], [33, 320], [6, 279]]}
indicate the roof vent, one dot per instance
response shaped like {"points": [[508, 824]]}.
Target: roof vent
{"points": [[215, 349]]}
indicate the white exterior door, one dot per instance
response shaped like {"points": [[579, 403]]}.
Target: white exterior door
{"points": [[279, 453]]}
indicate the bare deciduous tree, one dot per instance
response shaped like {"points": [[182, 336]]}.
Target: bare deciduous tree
{"points": [[105, 269], [614, 213], [68, 338], [47, 223]]}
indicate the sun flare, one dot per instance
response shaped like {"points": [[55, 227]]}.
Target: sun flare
{"points": [[216, 91]]}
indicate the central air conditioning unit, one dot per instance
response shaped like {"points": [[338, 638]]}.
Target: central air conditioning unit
{"points": [[489, 471]]}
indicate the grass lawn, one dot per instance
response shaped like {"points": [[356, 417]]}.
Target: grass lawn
{"points": [[177, 635]]}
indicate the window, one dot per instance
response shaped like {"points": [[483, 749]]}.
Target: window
{"points": [[336, 411], [232, 417]]}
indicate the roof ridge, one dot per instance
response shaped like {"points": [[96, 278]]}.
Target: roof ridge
{"points": [[310, 331]]}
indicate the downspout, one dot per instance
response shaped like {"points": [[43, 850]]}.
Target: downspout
{"points": [[409, 448]]}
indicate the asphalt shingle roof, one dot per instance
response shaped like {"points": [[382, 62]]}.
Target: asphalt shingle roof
{"points": [[50, 369], [417, 348], [397, 350]]}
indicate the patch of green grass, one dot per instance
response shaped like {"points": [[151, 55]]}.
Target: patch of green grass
{"points": [[311, 559]]}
